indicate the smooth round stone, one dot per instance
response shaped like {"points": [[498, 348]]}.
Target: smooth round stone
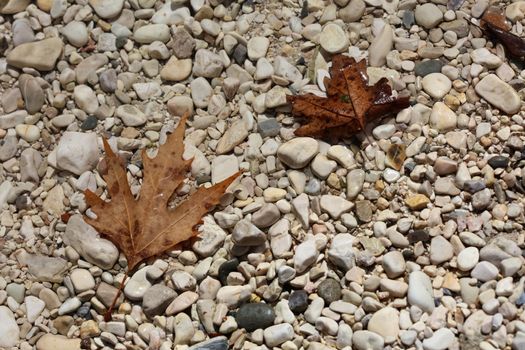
{"points": [[391, 175], [54, 342], [440, 340], [498, 162], [254, 316], [329, 290], [499, 94], [515, 11], [76, 33], [468, 258], [152, 32], [380, 46], [442, 118], [333, 39], [89, 123], [131, 115], [385, 322], [298, 152], [366, 340], [41, 55], [85, 99], [420, 291], [107, 8], [436, 85], [484, 271], [22, 32], [137, 285], [179, 105], [34, 306], [156, 299], [30, 133], [428, 15], [257, 47], [82, 280], [298, 301], [176, 70], [9, 331]]}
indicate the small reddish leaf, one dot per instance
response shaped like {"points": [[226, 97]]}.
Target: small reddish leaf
{"points": [[494, 24], [350, 102]]}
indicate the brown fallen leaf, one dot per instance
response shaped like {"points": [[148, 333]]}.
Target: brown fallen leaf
{"points": [[350, 102], [146, 227], [494, 24]]}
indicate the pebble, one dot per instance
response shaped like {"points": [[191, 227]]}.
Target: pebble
{"points": [[232, 137], [278, 334], [85, 98], [498, 93], [9, 331], [41, 55], [82, 280], [76, 152], [107, 8], [437, 85], [30, 133], [468, 258], [298, 152], [51, 342], [380, 46], [86, 241], [442, 117], [329, 290], [22, 32], [207, 64], [298, 301], [152, 32], [428, 15], [366, 340], [257, 47], [385, 322], [333, 39], [422, 68], [130, 115], [34, 307], [441, 339], [176, 69], [440, 250], [254, 316], [420, 291], [156, 299], [76, 33]]}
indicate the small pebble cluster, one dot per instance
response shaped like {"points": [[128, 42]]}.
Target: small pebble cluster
{"points": [[407, 236]]}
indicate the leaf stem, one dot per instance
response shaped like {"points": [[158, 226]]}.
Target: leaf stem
{"points": [[107, 315]]}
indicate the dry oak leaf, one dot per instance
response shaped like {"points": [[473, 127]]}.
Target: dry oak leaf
{"points": [[147, 227], [350, 102], [495, 25]]}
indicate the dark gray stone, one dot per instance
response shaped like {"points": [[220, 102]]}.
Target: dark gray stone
{"points": [[108, 80], [255, 316], [226, 268], [90, 123], [298, 301], [239, 54], [218, 343], [408, 19], [329, 290], [473, 186], [426, 67], [499, 162], [269, 127]]}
